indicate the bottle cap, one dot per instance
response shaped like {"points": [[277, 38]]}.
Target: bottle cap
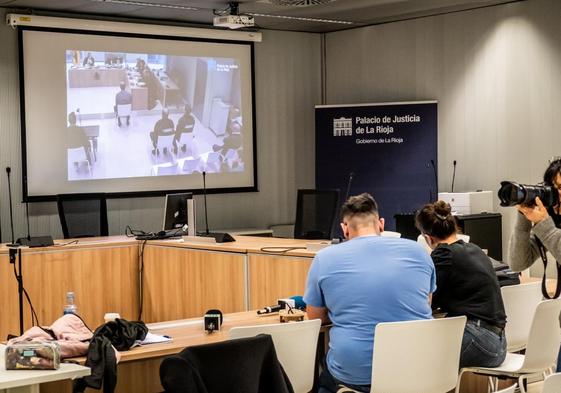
{"points": [[111, 316]]}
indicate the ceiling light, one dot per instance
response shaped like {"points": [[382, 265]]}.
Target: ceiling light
{"points": [[342, 22], [143, 4]]}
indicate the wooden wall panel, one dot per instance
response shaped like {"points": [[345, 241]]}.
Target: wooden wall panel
{"points": [[182, 283], [272, 277], [104, 279]]}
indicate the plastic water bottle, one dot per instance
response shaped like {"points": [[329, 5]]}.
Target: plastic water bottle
{"points": [[70, 307]]}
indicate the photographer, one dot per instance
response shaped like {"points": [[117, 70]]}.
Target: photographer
{"points": [[537, 224], [537, 229]]}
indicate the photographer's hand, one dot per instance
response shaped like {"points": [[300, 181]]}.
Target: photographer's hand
{"points": [[535, 213]]}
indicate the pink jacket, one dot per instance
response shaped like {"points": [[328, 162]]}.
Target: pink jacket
{"points": [[69, 331]]}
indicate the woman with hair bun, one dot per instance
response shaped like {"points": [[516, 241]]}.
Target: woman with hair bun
{"points": [[466, 285]]}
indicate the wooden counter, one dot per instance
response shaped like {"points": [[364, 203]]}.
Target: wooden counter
{"points": [[179, 279]]}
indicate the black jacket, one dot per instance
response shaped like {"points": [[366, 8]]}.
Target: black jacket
{"points": [[120, 334], [247, 365]]}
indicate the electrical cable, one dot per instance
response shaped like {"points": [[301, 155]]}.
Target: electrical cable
{"points": [[280, 250], [140, 278], [34, 317]]}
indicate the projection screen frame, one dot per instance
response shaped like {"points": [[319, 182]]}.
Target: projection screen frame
{"points": [[131, 194]]}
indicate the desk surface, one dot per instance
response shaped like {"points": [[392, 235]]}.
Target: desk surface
{"points": [[189, 332], [243, 244], [17, 378]]}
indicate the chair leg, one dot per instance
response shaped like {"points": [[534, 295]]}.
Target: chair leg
{"points": [[522, 384], [459, 380]]}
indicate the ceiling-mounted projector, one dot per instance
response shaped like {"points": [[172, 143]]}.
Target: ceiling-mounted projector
{"points": [[234, 21]]}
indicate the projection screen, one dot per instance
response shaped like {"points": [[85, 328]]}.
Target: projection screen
{"points": [[134, 115]]}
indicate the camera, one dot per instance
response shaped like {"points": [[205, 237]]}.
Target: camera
{"points": [[512, 193]]}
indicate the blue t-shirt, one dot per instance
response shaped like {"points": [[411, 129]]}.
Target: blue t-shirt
{"points": [[362, 282]]}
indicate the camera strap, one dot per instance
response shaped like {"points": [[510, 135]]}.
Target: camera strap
{"points": [[543, 255]]}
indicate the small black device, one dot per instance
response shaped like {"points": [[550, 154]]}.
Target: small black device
{"points": [[175, 211], [512, 193], [36, 241], [213, 320]]}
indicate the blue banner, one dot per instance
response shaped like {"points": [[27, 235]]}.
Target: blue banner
{"points": [[390, 149]]}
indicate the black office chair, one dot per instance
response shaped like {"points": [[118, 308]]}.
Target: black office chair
{"points": [[315, 213], [242, 365], [82, 215]]}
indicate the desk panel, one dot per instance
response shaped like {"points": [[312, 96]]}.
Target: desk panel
{"points": [[275, 276], [180, 282], [104, 279], [9, 322]]}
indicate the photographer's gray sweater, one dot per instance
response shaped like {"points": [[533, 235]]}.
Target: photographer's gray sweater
{"points": [[523, 249]]}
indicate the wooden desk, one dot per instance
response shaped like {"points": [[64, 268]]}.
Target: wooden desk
{"points": [[96, 77], [180, 279], [138, 370]]}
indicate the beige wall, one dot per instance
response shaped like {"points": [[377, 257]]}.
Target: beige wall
{"points": [[496, 73], [287, 86]]}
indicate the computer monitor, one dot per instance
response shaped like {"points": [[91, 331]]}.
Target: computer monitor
{"points": [[175, 211]]}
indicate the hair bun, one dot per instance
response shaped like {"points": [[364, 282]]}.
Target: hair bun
{"points": [[442, 208]]}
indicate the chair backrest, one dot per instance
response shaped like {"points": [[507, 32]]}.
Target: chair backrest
{"points": [[77, 154], [165, 169], [213, 162], [295, 344], [165, 140], [124, 109], [520, 304], [390, 234], [552, 384], [315, 213], [243, 365], [544, 338], [82, 215], [401, 350], [191, 165]]}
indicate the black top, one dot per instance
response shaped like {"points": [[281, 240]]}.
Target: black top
{"points": [[467, 284], [555, 217]]}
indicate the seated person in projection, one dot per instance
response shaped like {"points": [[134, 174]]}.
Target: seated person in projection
{"points": [[185, 124], [123, 97], [232, 142], [76, 138], [164, 126], [89, 61], [140, 65]]}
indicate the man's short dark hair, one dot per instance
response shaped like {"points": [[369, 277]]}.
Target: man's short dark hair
{"points": [[359, 205]]}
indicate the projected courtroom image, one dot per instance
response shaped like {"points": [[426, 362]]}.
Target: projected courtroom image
{"points": [[137, 115]]}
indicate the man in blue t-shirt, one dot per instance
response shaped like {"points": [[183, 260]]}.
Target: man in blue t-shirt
{"points": [[356, 285]]}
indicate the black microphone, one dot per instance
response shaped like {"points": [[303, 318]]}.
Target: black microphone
{"points": [[219, 237], [270, 309], [351, 175], [453, 176], [435, 178], [213, 320], [13, 243]]}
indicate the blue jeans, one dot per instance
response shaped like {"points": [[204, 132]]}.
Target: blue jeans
{"points": [[482, 347], [558, 369], [329, 384]]}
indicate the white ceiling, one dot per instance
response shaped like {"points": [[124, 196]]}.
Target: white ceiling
{"points": [[360, 12]]}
